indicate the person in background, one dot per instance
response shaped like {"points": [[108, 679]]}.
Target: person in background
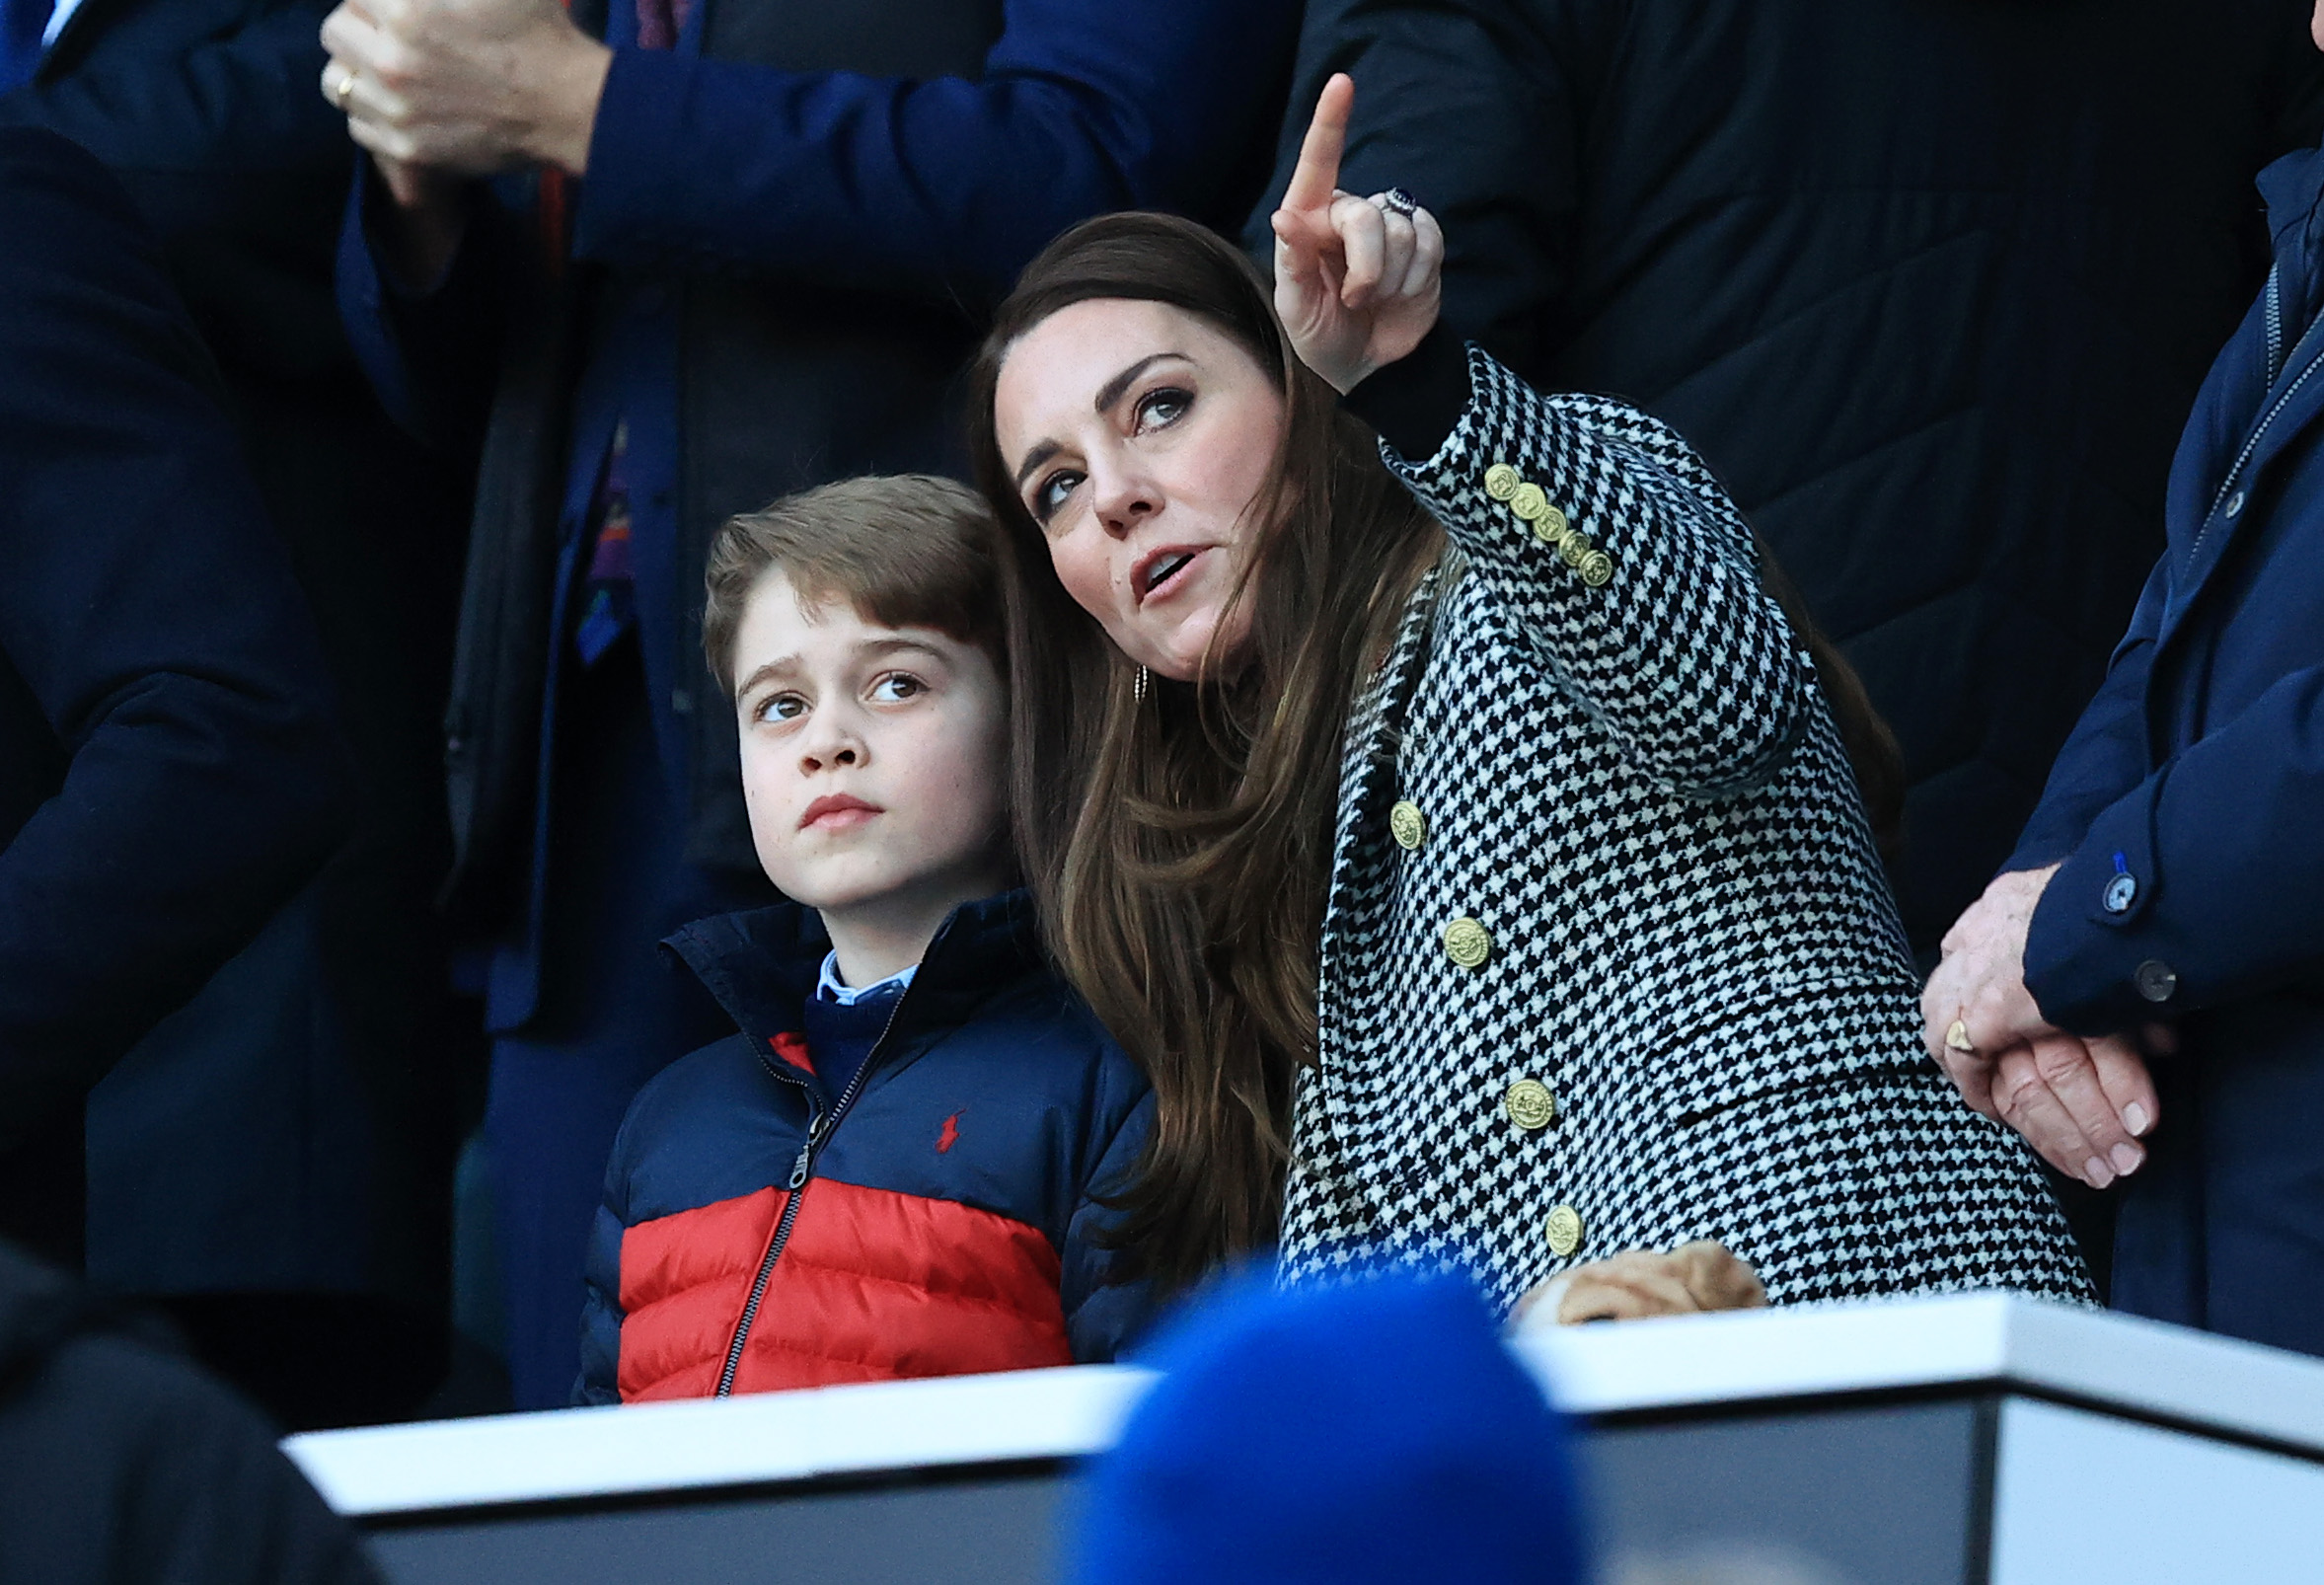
{"points": [[917, 1111], [170, 774], [2141, 992], [1930, 284], [273, 1161], [736, 248], [1376, 1430], [128, 1466]]}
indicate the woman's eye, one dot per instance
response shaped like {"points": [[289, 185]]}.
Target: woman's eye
{"points": [[1052, 493], [1160, 409], [782, 708], [896, 687]]}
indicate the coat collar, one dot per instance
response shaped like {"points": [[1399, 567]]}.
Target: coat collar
{"points": [[761, 964]]}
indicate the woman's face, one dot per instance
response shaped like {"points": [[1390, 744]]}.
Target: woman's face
{"points": [[1138, 437]]}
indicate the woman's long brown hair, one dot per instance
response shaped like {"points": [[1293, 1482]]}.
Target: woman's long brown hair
{"points": [[1179, 845]]}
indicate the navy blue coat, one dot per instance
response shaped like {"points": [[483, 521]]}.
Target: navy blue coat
{"points": [[2185, 808], [768, 1226], [169, 776]]}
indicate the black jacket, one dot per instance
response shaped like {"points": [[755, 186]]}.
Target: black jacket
{"points": [[121, 1464], [1932, 283], [291, 1130], [168, 773]]}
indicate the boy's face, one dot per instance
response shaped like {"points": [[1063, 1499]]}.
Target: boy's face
{"points": [[873, 759]]}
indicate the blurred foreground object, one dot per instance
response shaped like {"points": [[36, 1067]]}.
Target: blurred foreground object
{"points": [[122, 1463], [1373, 1431]]}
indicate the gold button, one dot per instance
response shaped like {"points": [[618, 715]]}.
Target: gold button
{"points": [[1575, 550], [1501, 481], [1407, 825], [1529, 503], [1529, 1103], [1596, 570], [1564, 1228], [1466, 943], [1550, 526]]}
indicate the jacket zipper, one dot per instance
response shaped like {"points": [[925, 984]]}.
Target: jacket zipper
{"points": [[820, 1127], [2259, 431]]}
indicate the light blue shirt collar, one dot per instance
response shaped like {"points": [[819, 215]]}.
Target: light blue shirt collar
{"points": [[830, 988]]}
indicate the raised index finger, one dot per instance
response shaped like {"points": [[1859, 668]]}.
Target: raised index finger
{"points": [[1316, 177]]}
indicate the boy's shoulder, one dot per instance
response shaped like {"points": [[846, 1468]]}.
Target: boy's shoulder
{"points": [[723, 1078], [1039, 1023]]}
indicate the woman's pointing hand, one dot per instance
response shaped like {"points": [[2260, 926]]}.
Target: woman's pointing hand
{"points": [[1357, 280]]}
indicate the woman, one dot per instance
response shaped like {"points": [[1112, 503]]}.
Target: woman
{"points": [[1487, 800]]}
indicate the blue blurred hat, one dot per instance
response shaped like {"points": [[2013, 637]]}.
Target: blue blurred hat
{"points": [[1375, 1431]]}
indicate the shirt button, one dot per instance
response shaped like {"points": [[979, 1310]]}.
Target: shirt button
{"points": [[1596, 570], [1530, 503], [1530, 1104], [1466, 942], [2235, 504], [1407, 825], [1564, 1230], [2157, 980], [1551, 527], [2120, 893], [1501, 481]]}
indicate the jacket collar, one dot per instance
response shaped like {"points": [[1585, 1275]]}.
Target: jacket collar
{"points": [[762, 963]]}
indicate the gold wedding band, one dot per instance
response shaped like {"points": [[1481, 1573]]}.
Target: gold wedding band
{"points": [[1957, 1037], [346, 87]]}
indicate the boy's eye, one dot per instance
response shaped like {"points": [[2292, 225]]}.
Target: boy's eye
{"points": [[898, 686], [1160, 409], [1051, 492], [782, 708]]}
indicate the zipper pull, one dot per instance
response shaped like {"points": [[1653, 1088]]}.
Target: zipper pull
{"points": [[798, 1168]]}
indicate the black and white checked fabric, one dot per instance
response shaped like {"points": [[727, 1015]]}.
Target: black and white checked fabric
{"points": [[1640, 792]]}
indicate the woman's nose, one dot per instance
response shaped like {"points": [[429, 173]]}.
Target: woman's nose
{"points": [[1123, 498]]}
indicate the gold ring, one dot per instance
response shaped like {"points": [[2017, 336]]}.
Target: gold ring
{"points": [[1957, 1037], [346, 87]]}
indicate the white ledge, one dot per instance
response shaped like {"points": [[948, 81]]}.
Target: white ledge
{"points": [[2131, 1367]]}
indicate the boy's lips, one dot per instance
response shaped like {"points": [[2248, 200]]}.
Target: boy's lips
{"points": [[835, 812]]}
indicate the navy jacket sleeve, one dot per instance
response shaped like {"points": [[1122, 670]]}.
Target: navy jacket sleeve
{"points": [[2231, 878], [939, 188], [151, 639], [942, 187], [2105, 757], [1103, 1317], [1479, 109]]}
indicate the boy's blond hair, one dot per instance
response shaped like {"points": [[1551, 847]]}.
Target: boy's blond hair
{"points": [[905, 550]]}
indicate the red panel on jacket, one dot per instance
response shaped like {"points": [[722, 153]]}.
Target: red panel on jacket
{"points": [[872, 1286]]}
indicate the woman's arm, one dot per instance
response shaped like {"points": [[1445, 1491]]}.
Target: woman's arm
{"points": [[1618, 558], [1615, 552]]}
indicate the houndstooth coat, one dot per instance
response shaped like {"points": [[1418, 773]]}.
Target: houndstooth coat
{"points": [[1609, 960]]}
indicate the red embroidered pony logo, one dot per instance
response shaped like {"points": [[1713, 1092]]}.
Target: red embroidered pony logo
{"points": [[951, 1135]]}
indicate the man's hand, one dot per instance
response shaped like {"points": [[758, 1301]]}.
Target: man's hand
{"points": [[464, 87], [1975, 1005], [2081, 1104], [1689, 1280], [1357, 280]]}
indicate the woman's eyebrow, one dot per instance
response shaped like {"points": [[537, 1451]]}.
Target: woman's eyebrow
{"points": [[1034, 458], [1111, 391]]}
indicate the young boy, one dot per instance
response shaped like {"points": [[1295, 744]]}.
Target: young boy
{"points": [[897, 1167]]}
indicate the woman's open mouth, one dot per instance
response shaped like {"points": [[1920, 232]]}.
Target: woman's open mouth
{"points": [[1160, 571]]}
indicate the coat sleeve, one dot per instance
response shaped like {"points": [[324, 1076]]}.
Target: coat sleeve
{"points": [[1103, 1317], [150, 624], [1479, 109], [1640, 596], [601, 1286], [940, 186], [2107, 754], [2227, 872]]}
